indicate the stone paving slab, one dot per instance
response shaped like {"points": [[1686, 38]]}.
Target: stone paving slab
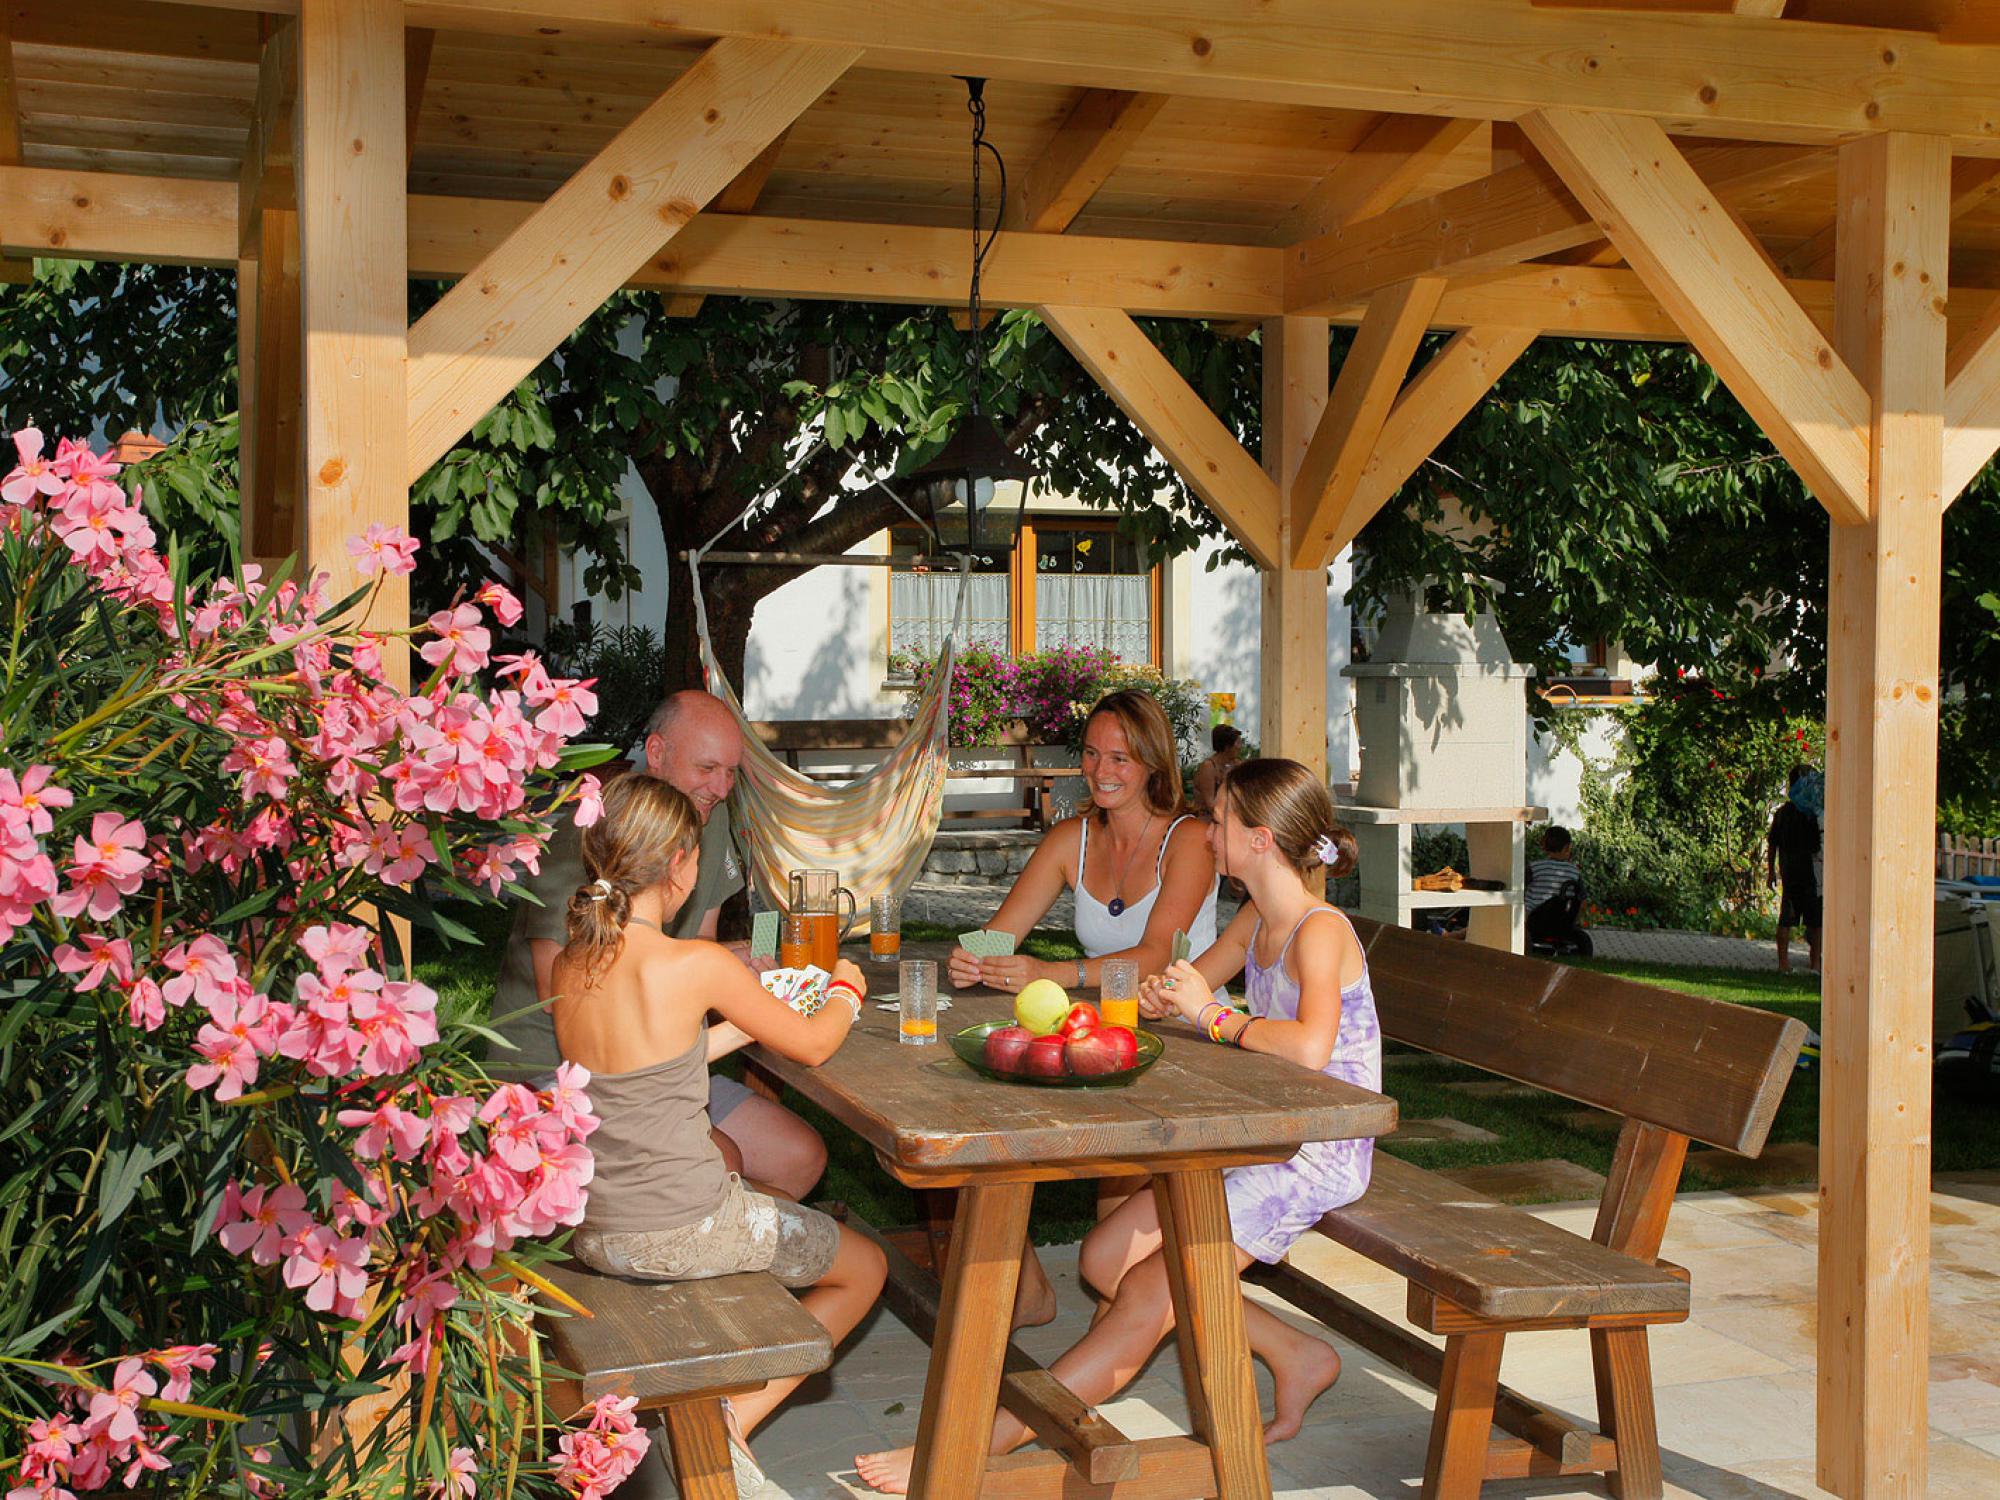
{"points": [[1703, 948]]}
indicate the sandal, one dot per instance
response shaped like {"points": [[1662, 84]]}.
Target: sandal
{"points": [[750, 1478]]}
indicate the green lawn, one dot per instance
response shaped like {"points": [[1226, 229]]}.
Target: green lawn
{"points": [[1965, 1135]]}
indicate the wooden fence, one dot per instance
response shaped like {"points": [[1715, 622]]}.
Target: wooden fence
{"points": [[1959, 856]]}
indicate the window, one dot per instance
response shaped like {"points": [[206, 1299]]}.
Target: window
{"points": [[1069, 583]]}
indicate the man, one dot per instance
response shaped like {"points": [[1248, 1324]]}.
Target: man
{"points": [[1226, 740], [692, 743], [1554, 895], [1790, 852]]}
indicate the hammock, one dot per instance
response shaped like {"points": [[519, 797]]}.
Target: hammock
{"points": [[876, 829]]}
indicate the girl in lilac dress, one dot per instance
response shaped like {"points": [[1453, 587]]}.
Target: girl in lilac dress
{"points": [[1310, 1003]]}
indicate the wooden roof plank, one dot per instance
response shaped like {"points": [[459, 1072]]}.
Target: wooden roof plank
{"points": [[1381, 170], [1099, 130]]}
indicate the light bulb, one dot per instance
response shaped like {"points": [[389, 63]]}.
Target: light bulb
{"points": [[982, 491]]}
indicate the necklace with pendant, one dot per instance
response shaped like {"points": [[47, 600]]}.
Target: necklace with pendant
{"points": [[1116, 905]]}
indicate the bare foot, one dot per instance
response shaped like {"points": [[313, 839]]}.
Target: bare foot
{"points": [[1034, 1304], [888, 1472], [1299, 1385]]}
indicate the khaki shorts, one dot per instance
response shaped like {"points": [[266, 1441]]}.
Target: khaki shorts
{"points": [[747, 1232]]}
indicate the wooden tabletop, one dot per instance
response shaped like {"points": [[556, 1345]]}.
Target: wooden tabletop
{"points": [[924, 1111]]}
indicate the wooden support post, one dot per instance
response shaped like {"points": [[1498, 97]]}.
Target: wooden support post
{"points": [[1292, 682], [353, 280], [1882, 686], [15, 270]]}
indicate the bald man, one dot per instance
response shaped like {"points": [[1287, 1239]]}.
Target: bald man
{"points": [[693, 743]]}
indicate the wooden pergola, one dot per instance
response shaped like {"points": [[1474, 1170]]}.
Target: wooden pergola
{"points": [[1809, 193]]}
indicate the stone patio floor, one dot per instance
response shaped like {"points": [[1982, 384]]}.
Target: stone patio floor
{"points": [[1735, 1383]]}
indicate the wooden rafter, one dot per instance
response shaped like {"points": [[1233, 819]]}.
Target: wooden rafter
{"points": [[1512, 216], [418, 43], [1975, 182], [1972, 404], [740, 197], [1349, 428], [1175, 419], [1714, 279], [1723, 76], [1384, 167], [1436, 400], [1100, 128], [586, 241]]}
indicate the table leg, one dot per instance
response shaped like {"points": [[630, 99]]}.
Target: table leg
{"points": [[975, 1317], [1208, 1314]]}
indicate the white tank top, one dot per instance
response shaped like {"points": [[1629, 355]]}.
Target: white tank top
{"points": [[1100, 932]]}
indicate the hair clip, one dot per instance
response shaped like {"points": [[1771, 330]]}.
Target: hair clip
{"points": [[1325, 850], [600, 889]]}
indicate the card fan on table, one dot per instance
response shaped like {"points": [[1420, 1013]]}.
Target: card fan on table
{"points": [[987, 944], [804, 990]]}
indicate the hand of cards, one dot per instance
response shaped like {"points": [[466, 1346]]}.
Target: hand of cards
{"points": [[985, 944], [804, 990]]}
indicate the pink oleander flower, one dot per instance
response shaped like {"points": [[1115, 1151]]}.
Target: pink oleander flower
{"points": [[332, 1269], [31, 797], [394, 1025], [104, 869], [97, 525], [114, 1412], [265, 764], [506, 608], [145, 1458], [144, 1005], [180, 1361], [203, 971], [99, 958], [599, 1458], [461, 640], [567, 1102], [383, 549], [387, 1124], [589, 801], [427, 1296], [261, 1222], [459, 1483], [337, 948], [237, 1035], [33, 475]]}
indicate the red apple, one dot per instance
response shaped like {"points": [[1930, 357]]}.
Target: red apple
{"points": [[1044, 1057], [1109, 1049], [1004, 1048], [1081, 1021]]}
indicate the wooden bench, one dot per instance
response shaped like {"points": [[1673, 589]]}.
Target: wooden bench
{"points": [[1677, 1068], [680, 1347], [790, 739]]}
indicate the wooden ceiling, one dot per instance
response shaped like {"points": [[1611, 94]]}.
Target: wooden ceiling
{"points": [[168, 90]]}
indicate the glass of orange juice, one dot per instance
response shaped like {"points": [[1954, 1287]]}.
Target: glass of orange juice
{"points": [[795, 941], [885, 929], [1118, 992], [917, 981]]}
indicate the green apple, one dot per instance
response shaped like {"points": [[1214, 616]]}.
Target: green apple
{"points": [[1041, 1006]]}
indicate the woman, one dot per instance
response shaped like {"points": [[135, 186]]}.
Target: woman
{"points": [[1227, 742], [1141, 870], [631, 1006]]}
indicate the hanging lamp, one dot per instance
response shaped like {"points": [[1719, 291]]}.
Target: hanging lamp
{"points": [[961, 479]]}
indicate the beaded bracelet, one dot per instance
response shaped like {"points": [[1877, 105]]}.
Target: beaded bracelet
{"points": [[1222, 1012]]}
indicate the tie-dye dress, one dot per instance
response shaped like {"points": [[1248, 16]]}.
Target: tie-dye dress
{"points": [[1271, 1206]]}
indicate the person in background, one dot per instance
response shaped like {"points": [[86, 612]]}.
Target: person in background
{"points": [[694, 745], [1790, 856], [631, 1007], [1554, 897], [1226, 740]]}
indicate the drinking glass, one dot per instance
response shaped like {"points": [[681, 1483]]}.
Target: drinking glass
{"points": [[1118, 992], [885, 929], [917, 981], [795, 940]]}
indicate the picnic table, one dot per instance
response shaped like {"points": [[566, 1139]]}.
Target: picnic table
{"points": [[936, 1124]]}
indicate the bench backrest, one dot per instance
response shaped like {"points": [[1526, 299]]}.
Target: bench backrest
{"points": [[852, 734], [1702, 1068]]}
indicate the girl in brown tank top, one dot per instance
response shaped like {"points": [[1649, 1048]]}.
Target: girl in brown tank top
{"points": [[631, 1006]]}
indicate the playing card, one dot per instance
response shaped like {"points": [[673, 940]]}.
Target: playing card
{"points": [[1182, 947], [802, 989], [1000, 944], [764, 934]]}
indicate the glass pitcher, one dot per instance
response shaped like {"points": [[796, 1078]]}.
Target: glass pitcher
{"points": [[816, 895]]}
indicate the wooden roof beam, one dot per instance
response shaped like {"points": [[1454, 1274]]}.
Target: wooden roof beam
{"points": [[1972, 404], [740, 197], [1174, 418], [573, 251], [1349, 427], [1100, 128], [1715, 281], [1515, 215], [1435, 401], [1385, 167], [14, 270]]}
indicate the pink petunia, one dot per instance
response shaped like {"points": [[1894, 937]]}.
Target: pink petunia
{"points": [[383, 549]]}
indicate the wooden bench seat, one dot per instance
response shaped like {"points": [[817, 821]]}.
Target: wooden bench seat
{"points": [[680, 1347], [1677, 1067]]}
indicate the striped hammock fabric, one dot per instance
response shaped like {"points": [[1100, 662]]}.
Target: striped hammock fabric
{"points": [[875, 830]]}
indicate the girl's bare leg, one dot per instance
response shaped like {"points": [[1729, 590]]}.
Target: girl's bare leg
{"points": [[839, 1300]]}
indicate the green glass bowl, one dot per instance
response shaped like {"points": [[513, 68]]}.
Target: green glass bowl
{"points": [[970, 1045]]}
